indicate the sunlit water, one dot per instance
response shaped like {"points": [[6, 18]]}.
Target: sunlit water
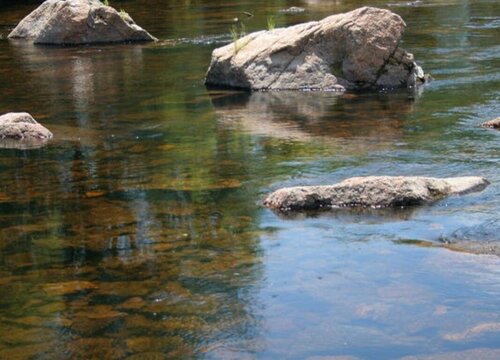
{"points": [[138, 233]]}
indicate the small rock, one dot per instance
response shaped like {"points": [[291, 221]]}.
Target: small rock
{"points": [[71, 22], [373, 191], [494, 124], [133, 303], [142, 344], [20, 130], [293, 9]]}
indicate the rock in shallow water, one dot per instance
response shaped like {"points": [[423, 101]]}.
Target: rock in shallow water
{"points": [[72, 22], [494, 124], [293, 10], [357, 50], [373, 191], [20, 130]]}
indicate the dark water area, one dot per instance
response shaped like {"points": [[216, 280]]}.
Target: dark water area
{"points": [[139, 233]]}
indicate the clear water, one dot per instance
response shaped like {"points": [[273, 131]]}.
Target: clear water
{"points": [[139, 232]]}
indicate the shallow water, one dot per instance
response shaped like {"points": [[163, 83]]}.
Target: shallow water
{"points": [[139, 232]]}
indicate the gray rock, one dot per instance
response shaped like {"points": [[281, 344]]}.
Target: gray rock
{"points": [[494, 124], [354, 51], [373, 191], [20, 130], [73, 22]]}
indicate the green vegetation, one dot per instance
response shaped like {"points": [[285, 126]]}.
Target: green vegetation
{"points": [[105, 2], [235, 37], [237, 32], [234, 33], [124, 15], [336, 69], [271, 23]]}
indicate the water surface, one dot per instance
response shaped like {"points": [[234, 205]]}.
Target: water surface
{"points": [[138, 233]]}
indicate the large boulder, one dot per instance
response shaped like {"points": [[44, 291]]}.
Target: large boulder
{"points": [[372, 191], [73, 22], [357, 50], [20, 130]]}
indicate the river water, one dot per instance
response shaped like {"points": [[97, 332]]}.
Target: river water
{"points": [[139, 233]]}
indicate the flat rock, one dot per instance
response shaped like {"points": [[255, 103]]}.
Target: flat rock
{"points": [[20, 130], [373, 191], [494, 124], [357, 50], [73, 22]]}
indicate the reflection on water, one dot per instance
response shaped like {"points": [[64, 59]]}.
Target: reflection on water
{"points": [[138, 233], [91, 76], [127, 272], [356, 122], [25, 144], [354, 215]]}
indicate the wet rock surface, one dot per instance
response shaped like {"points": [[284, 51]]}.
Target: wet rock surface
{"points": [[372, 191], [20, 130], [357, 50], [72, 22]]}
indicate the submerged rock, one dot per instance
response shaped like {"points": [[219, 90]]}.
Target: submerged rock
{"points": [[357, 50], [494, 124], [481, 239], [473, 332], [68, 287], [20, 130], [373, 191], [476, 353], [72, 22]]}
